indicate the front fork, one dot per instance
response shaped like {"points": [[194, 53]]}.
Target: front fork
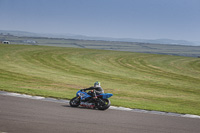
{"points": [[77, 99]]}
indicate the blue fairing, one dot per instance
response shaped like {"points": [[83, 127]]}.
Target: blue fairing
{"points": [[106, 95], [84, 95]]}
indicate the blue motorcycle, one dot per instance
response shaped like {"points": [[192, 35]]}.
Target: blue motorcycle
{"points": [[84, 99]]}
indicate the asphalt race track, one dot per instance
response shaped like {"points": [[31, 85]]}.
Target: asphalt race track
{"points": [[21, 115]]}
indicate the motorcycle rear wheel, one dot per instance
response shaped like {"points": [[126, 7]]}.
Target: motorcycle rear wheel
{"points": [[104, 104]]}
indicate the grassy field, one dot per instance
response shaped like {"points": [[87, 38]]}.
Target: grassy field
{"points": [[146, 81]]}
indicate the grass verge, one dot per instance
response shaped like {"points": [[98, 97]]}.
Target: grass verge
{"points": [[144, 81]]}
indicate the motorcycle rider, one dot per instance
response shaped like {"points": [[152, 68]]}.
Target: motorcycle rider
{"points": [[96, 90]]}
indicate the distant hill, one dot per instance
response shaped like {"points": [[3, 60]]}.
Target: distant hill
{"points": [[82, 37]]}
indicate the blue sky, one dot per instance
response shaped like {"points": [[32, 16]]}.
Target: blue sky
{"points": [[140, 19]]}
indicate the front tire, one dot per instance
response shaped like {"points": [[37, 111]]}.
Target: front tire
{"points": [[103, 104], [74, 102]]}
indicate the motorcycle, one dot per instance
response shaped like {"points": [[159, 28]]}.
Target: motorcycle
{"points": [[83, 99]]}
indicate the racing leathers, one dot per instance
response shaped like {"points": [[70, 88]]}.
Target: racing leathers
{"points": [[97, 91]]}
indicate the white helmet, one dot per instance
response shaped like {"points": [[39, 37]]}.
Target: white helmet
{"points": [[97, 84]]}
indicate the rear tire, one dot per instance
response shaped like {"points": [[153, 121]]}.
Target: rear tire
{"points": [[104, 104], [74, 102]]}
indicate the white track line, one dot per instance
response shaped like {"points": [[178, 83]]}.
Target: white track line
{"points": [[111, 107]]}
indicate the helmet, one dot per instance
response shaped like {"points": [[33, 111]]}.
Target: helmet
{"points": [[97, 84]]}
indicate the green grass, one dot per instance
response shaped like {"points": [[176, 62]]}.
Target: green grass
{"points": [[145, 81]]}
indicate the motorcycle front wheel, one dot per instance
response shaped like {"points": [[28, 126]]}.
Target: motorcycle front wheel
{"points": [[74, 102]]}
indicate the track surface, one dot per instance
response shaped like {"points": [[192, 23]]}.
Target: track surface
{"points": [[20, 115]]}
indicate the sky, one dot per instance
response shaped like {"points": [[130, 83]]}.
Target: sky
{"points": [[139, 19]]}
